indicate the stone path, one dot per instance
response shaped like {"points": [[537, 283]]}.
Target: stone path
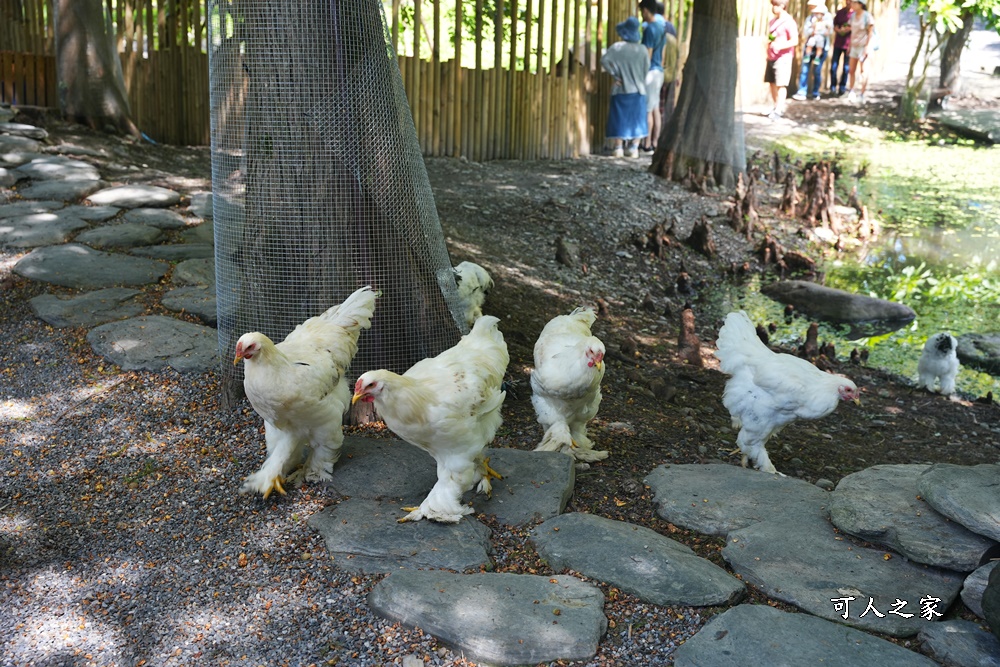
{"points": [[929, 531]]}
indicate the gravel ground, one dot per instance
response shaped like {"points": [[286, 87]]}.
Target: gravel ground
{"points": [[123, 540]]}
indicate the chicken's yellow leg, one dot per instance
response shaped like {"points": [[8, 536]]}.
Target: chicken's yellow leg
{"points": [[275, 486]]}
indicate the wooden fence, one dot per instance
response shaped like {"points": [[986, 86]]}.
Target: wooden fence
{"points": [[486, 79]]}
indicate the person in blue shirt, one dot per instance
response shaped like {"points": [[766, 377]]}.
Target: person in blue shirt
{"points": [[654, 38]]}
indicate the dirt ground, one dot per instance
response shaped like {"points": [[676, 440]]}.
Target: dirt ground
{"points": [[510, 217]]}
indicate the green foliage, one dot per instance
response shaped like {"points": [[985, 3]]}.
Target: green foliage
{"points": [[946, 15]]}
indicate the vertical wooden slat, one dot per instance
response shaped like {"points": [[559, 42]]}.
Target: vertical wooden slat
{"points": [[459, 117], [477, 106], [7, 67], [435, 67], [27, 81]]}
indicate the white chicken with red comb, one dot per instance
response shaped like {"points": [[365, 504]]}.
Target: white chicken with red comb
{"points": [[448, 406], [768, 390], [566, 384], [298, 387]]}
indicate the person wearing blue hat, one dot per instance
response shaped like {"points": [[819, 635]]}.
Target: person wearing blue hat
{"points": [[627, 61]]}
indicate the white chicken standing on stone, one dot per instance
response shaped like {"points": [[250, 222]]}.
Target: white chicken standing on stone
{"points": [[448, 406], [298, 387], [474, 283], [566, 384], [939, 361], [767, 390]]}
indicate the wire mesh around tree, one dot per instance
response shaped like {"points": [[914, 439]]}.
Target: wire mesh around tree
{"points": [[319, 186]]}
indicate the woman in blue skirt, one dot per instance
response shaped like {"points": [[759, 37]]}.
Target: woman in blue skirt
{"points": [[627, 61]]}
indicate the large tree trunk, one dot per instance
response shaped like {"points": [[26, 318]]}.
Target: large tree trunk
{"points": [[951, 56], [327, 182], [91, 85], [702, 136]]}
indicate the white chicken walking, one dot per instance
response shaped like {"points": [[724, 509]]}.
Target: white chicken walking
{"points": [[939, 361], [768, 390], [474, 283], [566, 384], [298, 387], [448, 406]]}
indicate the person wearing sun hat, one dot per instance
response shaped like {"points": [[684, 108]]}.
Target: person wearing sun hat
{"points": [[862, 28], [816, 30], [627, 61]]}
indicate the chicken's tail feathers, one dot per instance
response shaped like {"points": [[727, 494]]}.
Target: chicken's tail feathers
{"points": [[487, 325], [472, 277], [585, 314], [737, 338], [355, 313]]}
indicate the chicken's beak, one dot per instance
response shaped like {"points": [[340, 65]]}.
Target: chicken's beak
{"points": [[857, 400], [237, 359], [599, 365], [356, 398]]}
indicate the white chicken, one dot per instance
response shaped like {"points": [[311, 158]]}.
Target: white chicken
{"points": [[448, 406], [767, 390], [474, 283], [566, 384], [298, 387], [939, 361]]}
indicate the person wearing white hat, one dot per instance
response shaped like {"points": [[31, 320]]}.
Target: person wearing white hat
{"points": [[817, 31]]}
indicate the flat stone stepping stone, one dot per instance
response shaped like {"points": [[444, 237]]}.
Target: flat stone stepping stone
{"points": [[29, 207], [497, 618], [160, 218], [635, 559], [364, 535], [8, 177], [715, 499], [39, 229], [969, 495], [198, 301], [91, 213], [155, 342], [195, 272], [88, 309], [76, 265], [203, 233], [804, 562], [73, 149], [960, 643], [61, 190], [991, 602], [883, 505], [176, 251], [58, 167], [23, 130], [136, 196], [535, 486], [201, 204], [124, 235], [981, 351], [974, 585], [383, 468], [762, 635], [15, 151]]}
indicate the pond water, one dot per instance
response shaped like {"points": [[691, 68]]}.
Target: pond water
{"points": [[939, 251]]}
